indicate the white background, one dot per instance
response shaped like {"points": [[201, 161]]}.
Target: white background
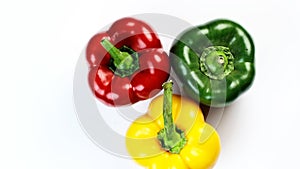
{"points": [[40, 43]]}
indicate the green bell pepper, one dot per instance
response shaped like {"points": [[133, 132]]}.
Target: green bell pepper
{"points": [[214, 61]]}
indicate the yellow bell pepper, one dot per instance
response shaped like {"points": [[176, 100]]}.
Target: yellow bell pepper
{"points": [[156, 141]]}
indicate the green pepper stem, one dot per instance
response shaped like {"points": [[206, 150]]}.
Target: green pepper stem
{"points": [[125, 60], [171, 138], [216, 62]]}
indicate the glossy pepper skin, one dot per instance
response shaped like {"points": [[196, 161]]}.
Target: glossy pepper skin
{"points": [[199, 143], [214, 61], [127, 63]]}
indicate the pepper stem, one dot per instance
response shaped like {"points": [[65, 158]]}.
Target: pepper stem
{"points": [[171, 138], [216, 62], [124, 60]]}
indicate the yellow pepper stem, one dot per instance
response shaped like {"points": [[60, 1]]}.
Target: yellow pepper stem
{"points": [[171, 138]]}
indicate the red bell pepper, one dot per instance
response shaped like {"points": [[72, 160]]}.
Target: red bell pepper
{"points": [[127, 63]]}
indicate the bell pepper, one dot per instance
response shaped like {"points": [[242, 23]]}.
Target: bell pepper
{"points": [[127, 63], [214, 61], [173, 135]]}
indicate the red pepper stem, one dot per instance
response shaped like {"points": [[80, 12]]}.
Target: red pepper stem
{"points": [[125, 60], [118, 56], [171, 138]]}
